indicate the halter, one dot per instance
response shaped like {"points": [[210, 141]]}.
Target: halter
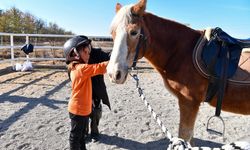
{"points": [[142, 38]]}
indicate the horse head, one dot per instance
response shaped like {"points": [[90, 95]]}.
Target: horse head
{"points": [[126, 31]]}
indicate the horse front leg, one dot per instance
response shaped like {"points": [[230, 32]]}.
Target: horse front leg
{"points": [[188, 113]]}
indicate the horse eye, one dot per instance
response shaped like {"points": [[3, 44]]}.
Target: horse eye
{"points": [[133, 33]]}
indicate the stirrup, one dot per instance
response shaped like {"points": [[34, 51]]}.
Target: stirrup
{"points": [[213, 131]]}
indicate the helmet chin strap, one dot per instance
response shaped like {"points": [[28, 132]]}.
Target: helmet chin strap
{"points": [[90, 48], [77, 57], [77, 54]]}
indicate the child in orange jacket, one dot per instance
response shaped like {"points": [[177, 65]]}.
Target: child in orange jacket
{"points": [[77, 51]]}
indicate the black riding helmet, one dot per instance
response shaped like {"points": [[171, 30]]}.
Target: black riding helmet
{"points": [[72, 45]]}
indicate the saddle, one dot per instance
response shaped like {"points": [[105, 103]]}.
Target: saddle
{"points": [[222, 47], [221, 55]]}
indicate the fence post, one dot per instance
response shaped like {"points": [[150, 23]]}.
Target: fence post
{"points": [[12, 51], [1, 40], [27, 42]]}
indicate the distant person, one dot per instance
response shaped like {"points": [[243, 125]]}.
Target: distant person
{"points": [[77, 52]]}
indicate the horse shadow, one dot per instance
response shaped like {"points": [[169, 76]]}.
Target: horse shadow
{"points": [[160, 144], [206, 143], [31, 102], [131, 144]]}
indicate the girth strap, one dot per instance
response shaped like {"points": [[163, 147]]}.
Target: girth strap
{"points": [[223, 81]]}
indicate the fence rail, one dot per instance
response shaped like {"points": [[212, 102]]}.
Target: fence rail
{"points": [[12, 46]]}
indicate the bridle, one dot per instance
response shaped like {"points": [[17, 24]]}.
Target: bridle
{"points": [[141, 42]]}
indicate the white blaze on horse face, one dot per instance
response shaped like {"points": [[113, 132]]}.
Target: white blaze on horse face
{"points": [[117, 68]]}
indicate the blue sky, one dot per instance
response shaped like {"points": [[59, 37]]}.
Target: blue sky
{"points": [[93, 17]]}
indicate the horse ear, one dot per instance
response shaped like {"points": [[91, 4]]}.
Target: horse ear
{"points": [[139, 8], [118, 7]]}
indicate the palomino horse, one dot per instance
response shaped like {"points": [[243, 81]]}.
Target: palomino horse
{"points": [[169, 47]]}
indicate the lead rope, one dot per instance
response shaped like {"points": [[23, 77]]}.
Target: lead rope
{"points": [[156, 117], [178, 143], [173, 140]]}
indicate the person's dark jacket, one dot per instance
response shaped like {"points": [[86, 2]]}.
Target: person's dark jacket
{"points": [[99, 91]]}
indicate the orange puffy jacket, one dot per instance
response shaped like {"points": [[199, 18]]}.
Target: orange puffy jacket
{"points": [[81, 96]]}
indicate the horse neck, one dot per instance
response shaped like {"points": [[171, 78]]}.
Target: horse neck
{"points": [[167, 41]]}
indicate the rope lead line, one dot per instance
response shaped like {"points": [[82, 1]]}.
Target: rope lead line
{"points": [[155, 116]]}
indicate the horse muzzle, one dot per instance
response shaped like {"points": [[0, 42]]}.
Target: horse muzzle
{"points": [[117, 74]]}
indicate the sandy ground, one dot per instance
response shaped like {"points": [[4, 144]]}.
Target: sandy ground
{"points": [[34, 114]]}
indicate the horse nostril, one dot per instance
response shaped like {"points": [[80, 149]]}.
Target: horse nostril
{"points": [[118, 75], [110, 75]]}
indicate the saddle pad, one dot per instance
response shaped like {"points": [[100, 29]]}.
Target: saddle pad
{"points": [[242, 74], [243, 71]]}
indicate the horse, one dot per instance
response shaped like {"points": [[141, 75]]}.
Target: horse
{"points": [[168, 46]]}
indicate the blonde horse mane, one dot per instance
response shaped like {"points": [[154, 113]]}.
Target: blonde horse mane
{"points": [[122, 17]]}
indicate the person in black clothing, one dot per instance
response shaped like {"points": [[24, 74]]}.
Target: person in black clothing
{"points": [[99, 92]]}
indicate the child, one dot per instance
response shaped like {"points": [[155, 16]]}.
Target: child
{"points": [[99, 93], [77, 52]]}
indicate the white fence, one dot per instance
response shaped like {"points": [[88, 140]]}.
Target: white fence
{"points": [[12, 46]]}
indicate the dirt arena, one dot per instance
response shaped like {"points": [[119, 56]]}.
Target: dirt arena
{"points": [[34, 114]]}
